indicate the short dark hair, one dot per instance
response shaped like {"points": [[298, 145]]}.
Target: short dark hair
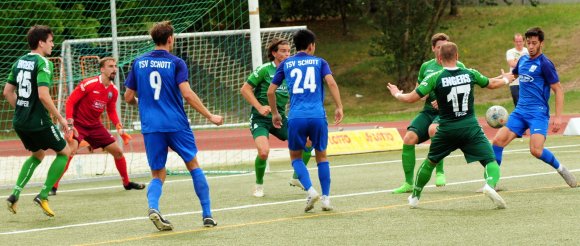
{"points": [[273, 46], [303, 38], [448, 51], [104, 60], [535, 32], [438, 37], [36, 34], [161, 31]]}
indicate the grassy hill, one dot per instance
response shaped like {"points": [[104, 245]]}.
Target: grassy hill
{"points": [[483, 34]]}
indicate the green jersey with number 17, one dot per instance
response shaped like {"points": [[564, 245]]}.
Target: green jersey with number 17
{"points": [[454, 91], [27, 73], [427, 68], [260, 80]]}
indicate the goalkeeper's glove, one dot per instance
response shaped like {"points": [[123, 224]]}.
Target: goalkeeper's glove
{"points": [[126, 137], [72, 131]]}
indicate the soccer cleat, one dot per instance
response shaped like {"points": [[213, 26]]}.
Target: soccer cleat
{"points": [[209, 222], [413, 201], [495, 198], [259, 191], [440, 180], [568, 176], [43, 204], [134, 186], [497, 188], [161, 223], [52, 192], [11, 202], [405, 188], [310, 200], [325, 200], [296, 183]]}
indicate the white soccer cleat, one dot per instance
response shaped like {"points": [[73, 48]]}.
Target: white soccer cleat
{"points": [[296, 183], [312, 198], [325, 200], [413, 201], [495, 198], [567, 176], [259, 191]]}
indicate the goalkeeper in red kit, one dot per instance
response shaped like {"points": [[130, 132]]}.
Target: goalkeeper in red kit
{"points": [[83, 111]]}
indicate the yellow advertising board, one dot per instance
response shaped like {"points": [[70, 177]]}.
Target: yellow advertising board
{"points": [[362, 141]]}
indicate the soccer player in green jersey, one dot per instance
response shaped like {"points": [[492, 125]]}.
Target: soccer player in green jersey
{"points": [[458, 127], [254, 91], [28, 91], [424, 125]]}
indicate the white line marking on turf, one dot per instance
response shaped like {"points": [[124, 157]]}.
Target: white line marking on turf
{"points": [[257, 205], [291, 170]]}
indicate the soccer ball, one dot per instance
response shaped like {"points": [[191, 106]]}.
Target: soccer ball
{"points": [[496, 116]]}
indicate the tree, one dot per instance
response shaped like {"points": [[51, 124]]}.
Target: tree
{"points": [[454, 8], [406, 28]]}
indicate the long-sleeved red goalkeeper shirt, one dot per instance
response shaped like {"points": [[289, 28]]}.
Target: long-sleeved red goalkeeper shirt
{"points": [[88, 101]]}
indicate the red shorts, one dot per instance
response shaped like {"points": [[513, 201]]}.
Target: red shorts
{"points": [[97, 137]]}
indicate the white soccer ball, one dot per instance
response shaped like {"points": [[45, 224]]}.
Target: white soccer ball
{"points": [[496, 116]]}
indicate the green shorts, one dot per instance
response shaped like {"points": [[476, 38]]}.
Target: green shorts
{"points": [[261, 126], [48, 138], [470, 140], [421, 122]]}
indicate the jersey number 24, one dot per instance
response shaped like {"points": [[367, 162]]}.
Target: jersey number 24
{"points": [[309, 80]]}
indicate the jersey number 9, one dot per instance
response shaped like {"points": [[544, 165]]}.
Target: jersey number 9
{"points": [[155, 82]]}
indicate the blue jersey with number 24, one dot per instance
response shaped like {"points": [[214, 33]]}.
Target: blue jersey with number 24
{"points": [[304, 74], [155, 77]]}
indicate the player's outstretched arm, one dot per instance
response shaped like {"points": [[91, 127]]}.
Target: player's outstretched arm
{"points": [[403, 97], [276, 117], [335, 93], [248, 93], [10, 94], [501, 80], [130, 96], [196, 103], [559, 93]]}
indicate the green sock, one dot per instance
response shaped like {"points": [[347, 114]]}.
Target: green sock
{"points": [[260, 170], [439, 168], [25, 174], [491, 174], [423, 177], [408, 162], [305, 157], [54, 173]]}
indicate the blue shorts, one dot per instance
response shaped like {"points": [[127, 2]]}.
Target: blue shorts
{"points": [[156, 144], [301, 129], [537, 122]]}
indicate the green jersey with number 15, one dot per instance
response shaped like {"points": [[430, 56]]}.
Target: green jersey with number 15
{"points": [[454, 92], [27, 73]]}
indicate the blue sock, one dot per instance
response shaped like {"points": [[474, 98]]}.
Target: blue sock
{"points": [[498, 151], [302, 172], [549, 158], [154, 193], [324, 177], [202, 190]]}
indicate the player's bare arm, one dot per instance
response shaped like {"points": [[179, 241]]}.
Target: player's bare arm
{"points": [[46, 100], [248, 93], [196, 103], [10, 94], [276, 117], [130, 97], [559, 93], [335, 93], [403, 97], [501, 80]]}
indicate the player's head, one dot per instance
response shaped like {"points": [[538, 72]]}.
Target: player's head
{"points": [[278, 49], [162, 34], [535, 41], [108, 67], [448, 53], [437, 40], [304, 40], [518, 41], [40, 38]]}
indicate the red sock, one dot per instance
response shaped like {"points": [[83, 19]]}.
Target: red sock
{"points": [[65, 168], [122, 168]]}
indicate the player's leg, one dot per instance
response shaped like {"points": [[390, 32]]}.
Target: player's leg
{"points": [[121, 165], [440, 179], [318, 133], [260, 133], [282, 134], [156, 150], [73, 145], [297, 134], [417, 132], [183, 143], [515, 91], [515, 127]]}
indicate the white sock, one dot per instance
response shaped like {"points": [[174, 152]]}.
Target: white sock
{"points": [[312, 191]]}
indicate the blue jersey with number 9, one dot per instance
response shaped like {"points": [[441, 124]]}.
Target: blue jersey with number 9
{"points": [[304, 74], [156, 76]]}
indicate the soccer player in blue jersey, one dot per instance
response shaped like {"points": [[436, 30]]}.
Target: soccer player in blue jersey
{"points": [[304, 74], [537, 75], [161, 81]]}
